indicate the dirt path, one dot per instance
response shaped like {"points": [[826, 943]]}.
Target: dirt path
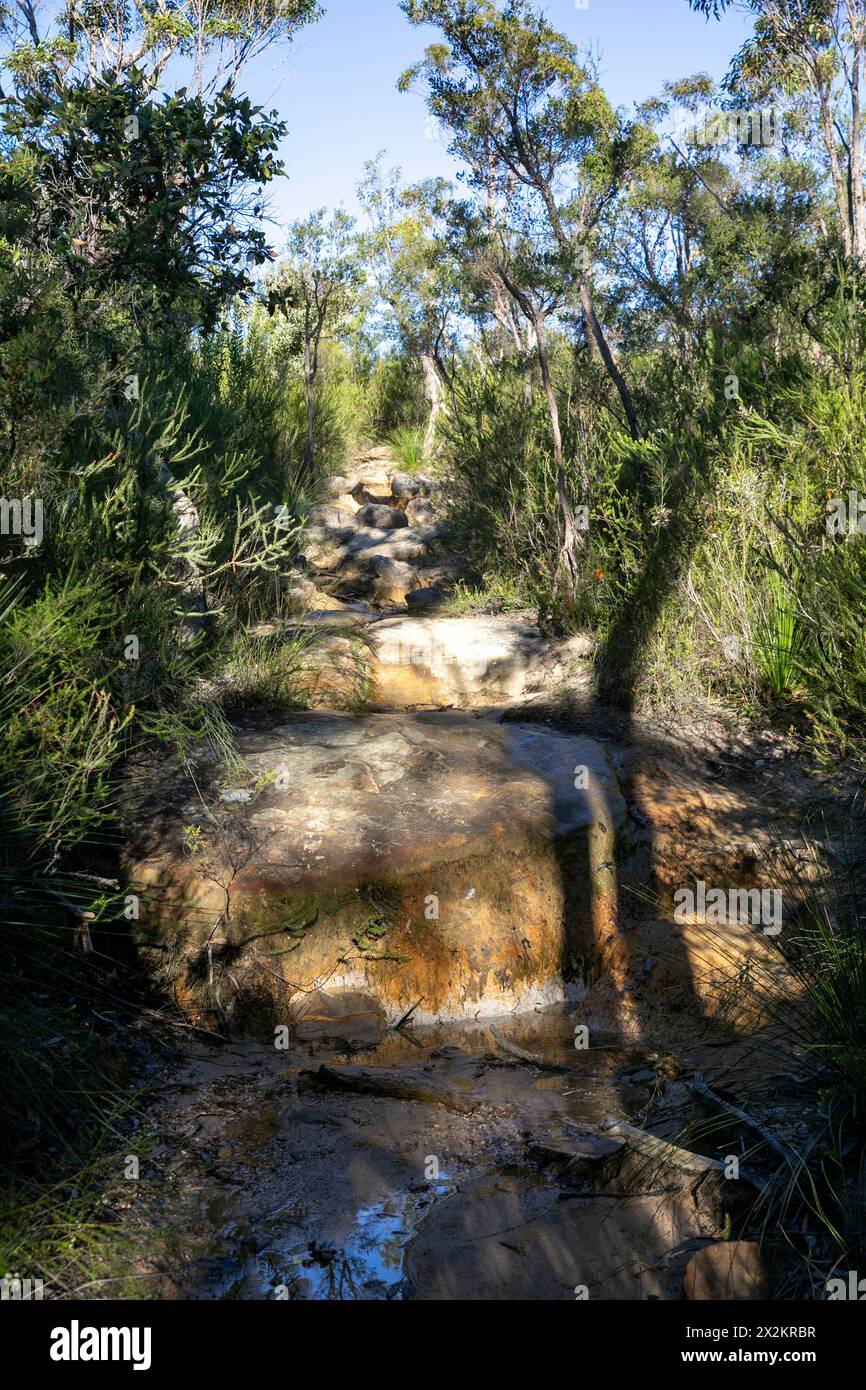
{"points": [[445, 862]]}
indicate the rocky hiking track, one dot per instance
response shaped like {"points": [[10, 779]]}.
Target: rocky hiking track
{"points": [[434, 894]]}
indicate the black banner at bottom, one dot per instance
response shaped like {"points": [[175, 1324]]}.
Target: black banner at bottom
{"points": [[80, 1339]]}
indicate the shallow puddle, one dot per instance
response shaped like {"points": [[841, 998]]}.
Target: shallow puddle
{"points": [[323, 1195], [369, 1264]]}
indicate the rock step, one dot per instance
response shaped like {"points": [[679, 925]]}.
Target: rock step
{"points": [[411, 857], [378, 529], [470, 662], [426, 661]]}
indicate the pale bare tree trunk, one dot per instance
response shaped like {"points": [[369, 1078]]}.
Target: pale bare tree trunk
{"points": [[435, 396], [858, 210], [571, 537], [597, 338], [594, 329], [309, 378], [842, 205]]}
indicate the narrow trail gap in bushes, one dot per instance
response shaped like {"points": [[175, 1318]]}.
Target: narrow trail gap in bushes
{"points": [[460, 1004]]}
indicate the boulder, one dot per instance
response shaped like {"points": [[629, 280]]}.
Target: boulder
{"points": [[406, 544], [303, 594], [404, 487], [442, 572], [430, 597], [470, 661], [337, 486], [306, 598], [363, 497], [726, 1272], [385, 518], [366, 537], [410, 857], [328, 516], [419, 511], [393, 579], [323, 556]]}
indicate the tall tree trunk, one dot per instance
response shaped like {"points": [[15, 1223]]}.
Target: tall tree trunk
{"points": [[309, 383], [435, 395], [594, 328], [596, 335], [858, 211], [843, 203], [571, 537]]}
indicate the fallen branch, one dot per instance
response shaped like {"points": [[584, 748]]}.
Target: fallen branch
{"points": [[523, 1056], [663, 1150], [112, 883], [181, 1023], [81, 938], [701, 1088], [388, 1084]]}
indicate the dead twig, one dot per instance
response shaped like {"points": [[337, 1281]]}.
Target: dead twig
{"points": [[701, 1088], [408, 1014]]}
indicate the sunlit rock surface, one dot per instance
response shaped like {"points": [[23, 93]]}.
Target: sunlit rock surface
{"points": [[413, 857]]}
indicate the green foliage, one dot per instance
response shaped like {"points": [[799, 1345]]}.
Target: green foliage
{"points": [[394, 397], [779, 640], [63, 732], [148, 219], [408, 447], [501, 481], [816, 1006], [492, 595]]}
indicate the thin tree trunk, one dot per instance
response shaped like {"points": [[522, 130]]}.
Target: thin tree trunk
{"points": [[596, 334], [571, 537], [308, 388], [858, 211], [594, 328], [435, 396], [843, 206]]}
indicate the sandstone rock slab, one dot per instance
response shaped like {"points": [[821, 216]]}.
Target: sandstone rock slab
{"points": [[468, 662], [413, 858]]}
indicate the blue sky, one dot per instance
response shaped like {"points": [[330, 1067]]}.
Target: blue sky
{"points": [[336, 86]]}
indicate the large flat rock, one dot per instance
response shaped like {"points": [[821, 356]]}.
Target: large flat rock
{"points": [[433, 857], [513, 1240], [470, 661]]}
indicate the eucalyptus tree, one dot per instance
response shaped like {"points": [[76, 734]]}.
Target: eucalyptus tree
{"points": [[523, 277], [810, 55], [416, 275], [712, 247], [105, 40], [505, 81], [319, 290], [132, 190]]}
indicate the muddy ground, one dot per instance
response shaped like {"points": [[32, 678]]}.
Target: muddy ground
{"points": [[259, 1185]]}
